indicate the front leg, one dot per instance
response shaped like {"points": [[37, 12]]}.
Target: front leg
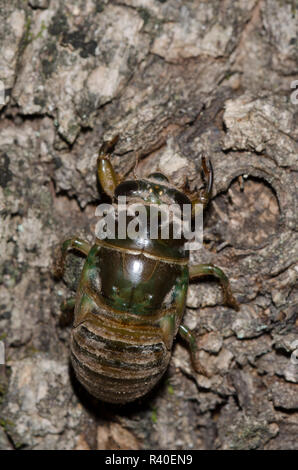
{"points": [[203, 270], [106, 174], [204, 195]]}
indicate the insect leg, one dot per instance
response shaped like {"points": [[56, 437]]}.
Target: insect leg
{"points": [[67, 311], [205, 194], [201, 270], [88, 297], [70, 244], [170, 322], [167, 324], [106, 174], [188, 336]]}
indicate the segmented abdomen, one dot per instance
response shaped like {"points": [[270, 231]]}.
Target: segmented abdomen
{"points": [[120, 347], [117, 366]]}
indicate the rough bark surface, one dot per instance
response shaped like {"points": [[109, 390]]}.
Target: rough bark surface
{"points": [[176, 79]]}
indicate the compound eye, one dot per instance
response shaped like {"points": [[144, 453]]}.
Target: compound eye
{"points": [[127, 188], [159, 177]]}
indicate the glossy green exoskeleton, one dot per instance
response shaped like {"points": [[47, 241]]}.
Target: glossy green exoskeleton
{"points": [[131, 296]]}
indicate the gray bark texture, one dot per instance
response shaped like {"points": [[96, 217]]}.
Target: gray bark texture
{"points": [[176, 79]]}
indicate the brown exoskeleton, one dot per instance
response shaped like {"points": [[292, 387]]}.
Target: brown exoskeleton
{"points": [[131, 296]]}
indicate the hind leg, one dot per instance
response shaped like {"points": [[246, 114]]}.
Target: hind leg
{"points": [[188, 336]]}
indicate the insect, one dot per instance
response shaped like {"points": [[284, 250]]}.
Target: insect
{"points": [[131, 295]]}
